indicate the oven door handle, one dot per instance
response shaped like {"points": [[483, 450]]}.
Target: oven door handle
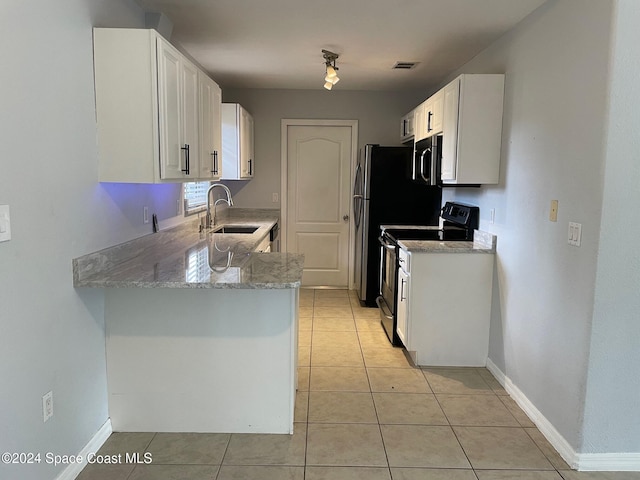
{"points": [[385, 244], [382, 305]]}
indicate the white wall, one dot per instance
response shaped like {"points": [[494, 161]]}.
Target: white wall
{"points": [[556, 66], [51, 335], [378, 115], [612, 413]]}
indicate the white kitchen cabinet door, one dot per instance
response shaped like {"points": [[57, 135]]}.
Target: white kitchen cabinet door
{"points": [[174, 154], [435, 113], [472, 130], [178, 113], [190, 118], [402, 310], [428, 116], [450, 131], [407, 124], [420, 128], [237, 143], [246, 149], [210, 129]]}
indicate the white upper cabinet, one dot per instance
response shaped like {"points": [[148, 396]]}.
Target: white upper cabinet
{"points": [[210, 128], [420, 124], [190, 119], [433, 119], [428, 116], [472, 130], [178, 114], [237, 143], [148, 109], [407, 124]]}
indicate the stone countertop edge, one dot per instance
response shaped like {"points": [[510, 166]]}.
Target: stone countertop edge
{"points": [[180, 257], [483, 242]]}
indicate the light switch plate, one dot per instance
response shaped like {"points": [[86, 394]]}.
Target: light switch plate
{"points": [[5, 223], [575, 234]]}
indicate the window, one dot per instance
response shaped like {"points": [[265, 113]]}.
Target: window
{"points": [[195, 196]]}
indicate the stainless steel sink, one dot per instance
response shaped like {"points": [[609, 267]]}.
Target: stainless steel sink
{"points": [[246, 229]]}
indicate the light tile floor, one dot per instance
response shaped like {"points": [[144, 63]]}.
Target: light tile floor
{"points": [[363, 412]]}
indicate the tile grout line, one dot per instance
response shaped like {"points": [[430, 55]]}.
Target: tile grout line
{"points": [[146, 449], [306, 439], [375, 408]]}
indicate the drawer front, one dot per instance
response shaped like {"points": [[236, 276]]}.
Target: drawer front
{"points": [[264, 246]]}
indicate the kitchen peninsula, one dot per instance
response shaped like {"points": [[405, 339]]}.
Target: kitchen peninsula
{"points": [[201, 330]]}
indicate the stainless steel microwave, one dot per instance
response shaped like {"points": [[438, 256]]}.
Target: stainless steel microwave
{"points": [[426, 160]]}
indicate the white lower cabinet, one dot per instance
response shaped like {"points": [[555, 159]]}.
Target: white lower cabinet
{"points": [[402, 309], [447, 308]]}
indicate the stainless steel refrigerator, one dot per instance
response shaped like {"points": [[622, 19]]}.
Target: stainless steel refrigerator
{"points": [[384, 193]]}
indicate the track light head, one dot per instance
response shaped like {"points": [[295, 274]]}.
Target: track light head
{"points": [[331, 75]]}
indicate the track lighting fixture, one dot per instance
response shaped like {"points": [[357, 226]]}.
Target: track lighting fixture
{"points": [[331, 75]]}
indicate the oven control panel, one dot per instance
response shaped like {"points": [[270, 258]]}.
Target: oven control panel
{"points": [[461, 214]]}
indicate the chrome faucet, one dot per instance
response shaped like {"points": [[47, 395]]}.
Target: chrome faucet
{"points": [[228, 201]]}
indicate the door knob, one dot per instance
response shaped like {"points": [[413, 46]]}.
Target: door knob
{"points": [[345, 218]]}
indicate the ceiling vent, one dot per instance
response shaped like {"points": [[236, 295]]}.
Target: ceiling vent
{"points": [[404, 65]]}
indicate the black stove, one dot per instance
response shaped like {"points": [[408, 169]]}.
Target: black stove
{"points": [[395, 234], [459, 222]]}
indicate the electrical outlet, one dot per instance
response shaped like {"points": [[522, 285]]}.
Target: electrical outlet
{"points": [[493, 216], [178, 207], [275, 197], [5, 223], [145, 214], [47, 406], [553, 211]]}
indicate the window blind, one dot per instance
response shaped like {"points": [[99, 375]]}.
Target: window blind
{"points": [[195, 195]]}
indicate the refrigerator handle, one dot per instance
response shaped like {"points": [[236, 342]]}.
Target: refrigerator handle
{"points": [[357, 197]]}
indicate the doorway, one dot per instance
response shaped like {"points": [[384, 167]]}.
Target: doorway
{"points": [[318, 157]]}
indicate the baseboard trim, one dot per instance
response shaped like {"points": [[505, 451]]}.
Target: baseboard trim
{"points": [[601, 462], [609, 462], [74, 469]]}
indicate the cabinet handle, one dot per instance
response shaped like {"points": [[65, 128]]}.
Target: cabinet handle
{"points": [[429, 115], [186, 159], [404, 128], [402, 297], [250, 167], [214, 162]]}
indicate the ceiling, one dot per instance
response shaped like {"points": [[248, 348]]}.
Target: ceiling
{"points": [[278, 43]]}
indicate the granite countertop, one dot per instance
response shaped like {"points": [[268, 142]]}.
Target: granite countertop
{"points": [[483, 242], [183, 257]]}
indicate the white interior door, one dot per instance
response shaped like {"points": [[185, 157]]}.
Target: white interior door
{"points": [[319, 159]]}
